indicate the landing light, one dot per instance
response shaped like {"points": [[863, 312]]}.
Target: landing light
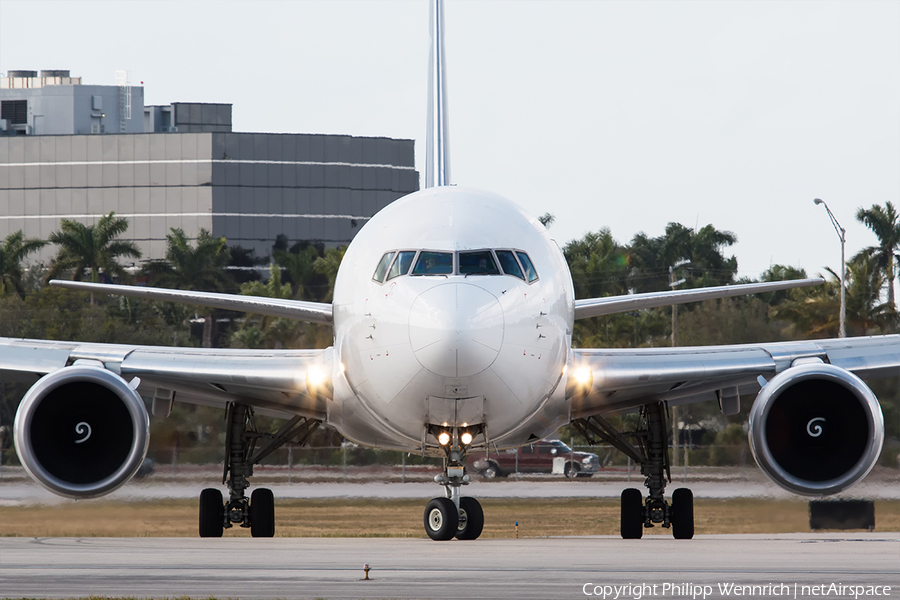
{"points": [[466, 438], [444, 438], [315, 376], [582, 375]]}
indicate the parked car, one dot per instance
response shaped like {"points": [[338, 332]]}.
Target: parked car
{"points": [[535, 458]]}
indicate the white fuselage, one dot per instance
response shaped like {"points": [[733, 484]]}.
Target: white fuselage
{"points": [[451, 349]]}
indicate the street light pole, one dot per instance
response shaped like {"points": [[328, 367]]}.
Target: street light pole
{"points": [[842, 234]]}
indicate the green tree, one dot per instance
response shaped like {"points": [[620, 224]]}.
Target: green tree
{"points": [[13, 251], [189, 267], [696, 255], [93, 247], [885, 224], [258, 331], [243, 264], [814, 311], [298, 265], [599, 265], [866, 314], [328, 266]]}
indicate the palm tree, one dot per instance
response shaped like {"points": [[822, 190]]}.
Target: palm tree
{"points": [[93, 247], [813, 310], [698, 252], [599, 265], [13, 251], [328, 266], [264, 331], [200, 267], [865, 280], [547, 219], [298, 263], [885, 223]]}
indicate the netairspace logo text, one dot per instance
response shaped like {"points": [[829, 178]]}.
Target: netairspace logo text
{"points": [[636, 591]]}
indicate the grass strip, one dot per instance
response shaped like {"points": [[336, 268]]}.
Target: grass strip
{"points": [[403, 518]]}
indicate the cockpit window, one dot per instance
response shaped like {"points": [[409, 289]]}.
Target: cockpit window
{"points": [[530, 273], [477, 263], [401, 265], [382, 267], [434, 263], [395, 263], [509, 263]]}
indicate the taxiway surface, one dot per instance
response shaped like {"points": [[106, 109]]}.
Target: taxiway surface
{"points": [[419, 568]]}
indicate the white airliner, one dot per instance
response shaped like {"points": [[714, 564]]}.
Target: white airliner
{"points": [[453, 313]]}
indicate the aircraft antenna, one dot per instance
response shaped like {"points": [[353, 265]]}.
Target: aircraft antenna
{"points": [[437, 154]]}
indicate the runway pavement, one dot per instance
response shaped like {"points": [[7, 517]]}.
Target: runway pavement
{"points": [[549, 568]]}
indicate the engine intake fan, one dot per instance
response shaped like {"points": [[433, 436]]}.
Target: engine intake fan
{"points": [[816, 429], [82, 431]]}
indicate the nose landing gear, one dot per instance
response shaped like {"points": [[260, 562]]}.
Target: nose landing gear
{"points": [[455, 515]]}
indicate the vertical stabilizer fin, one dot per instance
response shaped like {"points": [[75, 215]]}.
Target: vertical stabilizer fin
{"points": [[437, 151]]}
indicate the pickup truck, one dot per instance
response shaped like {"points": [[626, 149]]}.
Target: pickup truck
{"points": [[535, 458]]}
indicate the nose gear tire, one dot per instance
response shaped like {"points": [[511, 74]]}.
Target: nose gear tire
{"points": [[471, 519], [441, 519]]}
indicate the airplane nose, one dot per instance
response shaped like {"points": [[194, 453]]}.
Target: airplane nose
{"points": [[456, 329]]}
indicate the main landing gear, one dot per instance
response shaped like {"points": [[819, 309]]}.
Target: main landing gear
{"points": [[241, 440], [455, 515], [651, 453]]}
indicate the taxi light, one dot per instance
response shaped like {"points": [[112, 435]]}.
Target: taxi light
{"points": [[466, 438], [444, 438]]}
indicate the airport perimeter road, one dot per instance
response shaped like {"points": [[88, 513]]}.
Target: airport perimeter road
{"points": [[20, 490], [583, 567]]}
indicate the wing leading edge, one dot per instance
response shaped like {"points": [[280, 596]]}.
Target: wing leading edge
{"points": [[312, 312], [596, 307]]}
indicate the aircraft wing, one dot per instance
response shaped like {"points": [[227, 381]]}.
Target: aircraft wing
{"points": [[279, 382], [595, 307], [298, 310], [624, 379]]}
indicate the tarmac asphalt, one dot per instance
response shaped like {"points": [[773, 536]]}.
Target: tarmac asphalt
{"points": [[866, 564]]}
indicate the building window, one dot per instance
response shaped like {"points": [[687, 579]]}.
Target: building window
{"points": [[14, 111]]}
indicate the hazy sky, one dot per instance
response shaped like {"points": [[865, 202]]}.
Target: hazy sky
{"points": [[622, 114]]}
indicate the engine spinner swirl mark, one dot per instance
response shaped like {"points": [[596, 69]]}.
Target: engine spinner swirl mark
{"points": [[80, 429], [814, 431]]}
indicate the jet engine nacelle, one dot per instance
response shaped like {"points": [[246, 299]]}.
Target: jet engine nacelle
{"points": [[82, 431], [816, 429]]}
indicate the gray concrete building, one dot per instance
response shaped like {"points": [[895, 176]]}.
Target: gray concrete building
{"points": [[185, 169]]}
